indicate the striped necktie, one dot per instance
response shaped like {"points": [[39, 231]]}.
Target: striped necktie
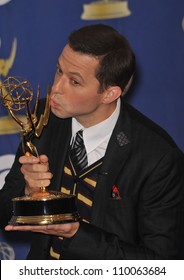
{"points": [[78, 153]]}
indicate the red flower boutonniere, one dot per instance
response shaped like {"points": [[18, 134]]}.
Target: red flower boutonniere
{"points": [[115, 193]]}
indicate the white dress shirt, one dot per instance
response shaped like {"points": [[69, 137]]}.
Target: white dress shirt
{"points": [[96, 137]]}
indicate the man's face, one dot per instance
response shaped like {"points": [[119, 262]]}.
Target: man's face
{"points": [[75, 88]]}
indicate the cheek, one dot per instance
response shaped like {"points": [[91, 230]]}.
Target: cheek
{"points": [[85, 103]]}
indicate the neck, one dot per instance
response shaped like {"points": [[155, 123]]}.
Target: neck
{"points": [[98, 116]]}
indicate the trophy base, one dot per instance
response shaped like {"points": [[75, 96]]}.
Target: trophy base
{"points": [[52, 208], [44, 220]]}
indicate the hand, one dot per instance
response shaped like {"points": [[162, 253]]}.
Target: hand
{"points": [[36, 172], [63, 230]]}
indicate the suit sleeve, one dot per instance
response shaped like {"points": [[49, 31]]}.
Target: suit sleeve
{"points": [[160, 221], [13, 187]]}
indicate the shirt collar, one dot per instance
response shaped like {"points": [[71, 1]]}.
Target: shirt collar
{"points": [[95, 135]]}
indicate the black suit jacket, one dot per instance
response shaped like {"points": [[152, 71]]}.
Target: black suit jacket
{"points": [[147, 168]]}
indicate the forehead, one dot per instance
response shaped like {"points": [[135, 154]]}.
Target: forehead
{"points": [[76, 60]]}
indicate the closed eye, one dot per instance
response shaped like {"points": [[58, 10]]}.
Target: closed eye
{"points": [[58, 69], [74, 82]]}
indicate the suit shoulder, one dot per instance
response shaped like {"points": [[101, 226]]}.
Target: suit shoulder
{"points": [[147, 127]]}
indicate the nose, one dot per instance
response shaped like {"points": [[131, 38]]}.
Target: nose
{"points": [[58, 84]]}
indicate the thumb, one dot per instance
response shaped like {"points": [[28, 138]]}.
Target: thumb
{"points": [[43, 159]]}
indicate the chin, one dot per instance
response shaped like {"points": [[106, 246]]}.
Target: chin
{"points": [[60, 114]]}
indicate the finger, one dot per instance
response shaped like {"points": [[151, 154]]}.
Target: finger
{"points": [[59, 227], [63, 230], [33, 166], [34, 184], [9, 228], [28, 159], [25, 228], [29, 176]]}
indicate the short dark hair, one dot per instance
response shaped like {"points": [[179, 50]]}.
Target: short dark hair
{"points": [[116, 58]]}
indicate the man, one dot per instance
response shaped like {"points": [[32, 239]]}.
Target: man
{"points": [[130, 193]]}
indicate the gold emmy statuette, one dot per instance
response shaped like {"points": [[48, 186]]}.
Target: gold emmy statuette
{"points": [[41, 207]]}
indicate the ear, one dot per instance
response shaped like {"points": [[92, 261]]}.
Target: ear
{"points": [[112, 94]]}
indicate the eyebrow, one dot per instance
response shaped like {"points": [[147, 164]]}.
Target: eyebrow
{"points": [[77, 74], [72, 73]]}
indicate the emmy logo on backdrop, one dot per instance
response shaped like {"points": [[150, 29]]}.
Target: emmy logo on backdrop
{"points": [[41, 207]]}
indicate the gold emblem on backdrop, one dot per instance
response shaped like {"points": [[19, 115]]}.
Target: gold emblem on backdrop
{"points": [[7, 125], [6, 64], [182, 23], [105, 9]]}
